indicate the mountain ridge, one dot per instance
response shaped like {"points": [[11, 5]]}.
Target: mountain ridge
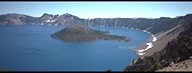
{"points": [[150, 25]]}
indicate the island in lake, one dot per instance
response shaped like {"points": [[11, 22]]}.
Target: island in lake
{"points": [[81, 33]]}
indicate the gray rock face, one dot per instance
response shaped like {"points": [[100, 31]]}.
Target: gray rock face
{"points": [[45, 19], [14, 19]]}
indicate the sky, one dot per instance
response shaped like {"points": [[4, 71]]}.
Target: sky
{"points": [[91, 9]]}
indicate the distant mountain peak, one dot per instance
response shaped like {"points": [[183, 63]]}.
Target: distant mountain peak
{"points": [[46, 14], [68, 14]]}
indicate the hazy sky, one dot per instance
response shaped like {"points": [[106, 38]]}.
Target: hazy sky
{"points": [[99, 9]]}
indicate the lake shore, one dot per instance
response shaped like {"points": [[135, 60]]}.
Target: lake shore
{"points": [[150, 46], [145, 46]]}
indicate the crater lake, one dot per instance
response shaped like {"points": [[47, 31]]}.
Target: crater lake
{"points": [[30, 48]]}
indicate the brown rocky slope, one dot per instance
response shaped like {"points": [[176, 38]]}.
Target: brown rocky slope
{"points": [[177, 50]]}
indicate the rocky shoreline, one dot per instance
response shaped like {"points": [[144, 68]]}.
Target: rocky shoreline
{"points": [[155, 43], [173, 45]]}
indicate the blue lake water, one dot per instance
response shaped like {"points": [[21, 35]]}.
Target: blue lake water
{"points": [[30, 48]]}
